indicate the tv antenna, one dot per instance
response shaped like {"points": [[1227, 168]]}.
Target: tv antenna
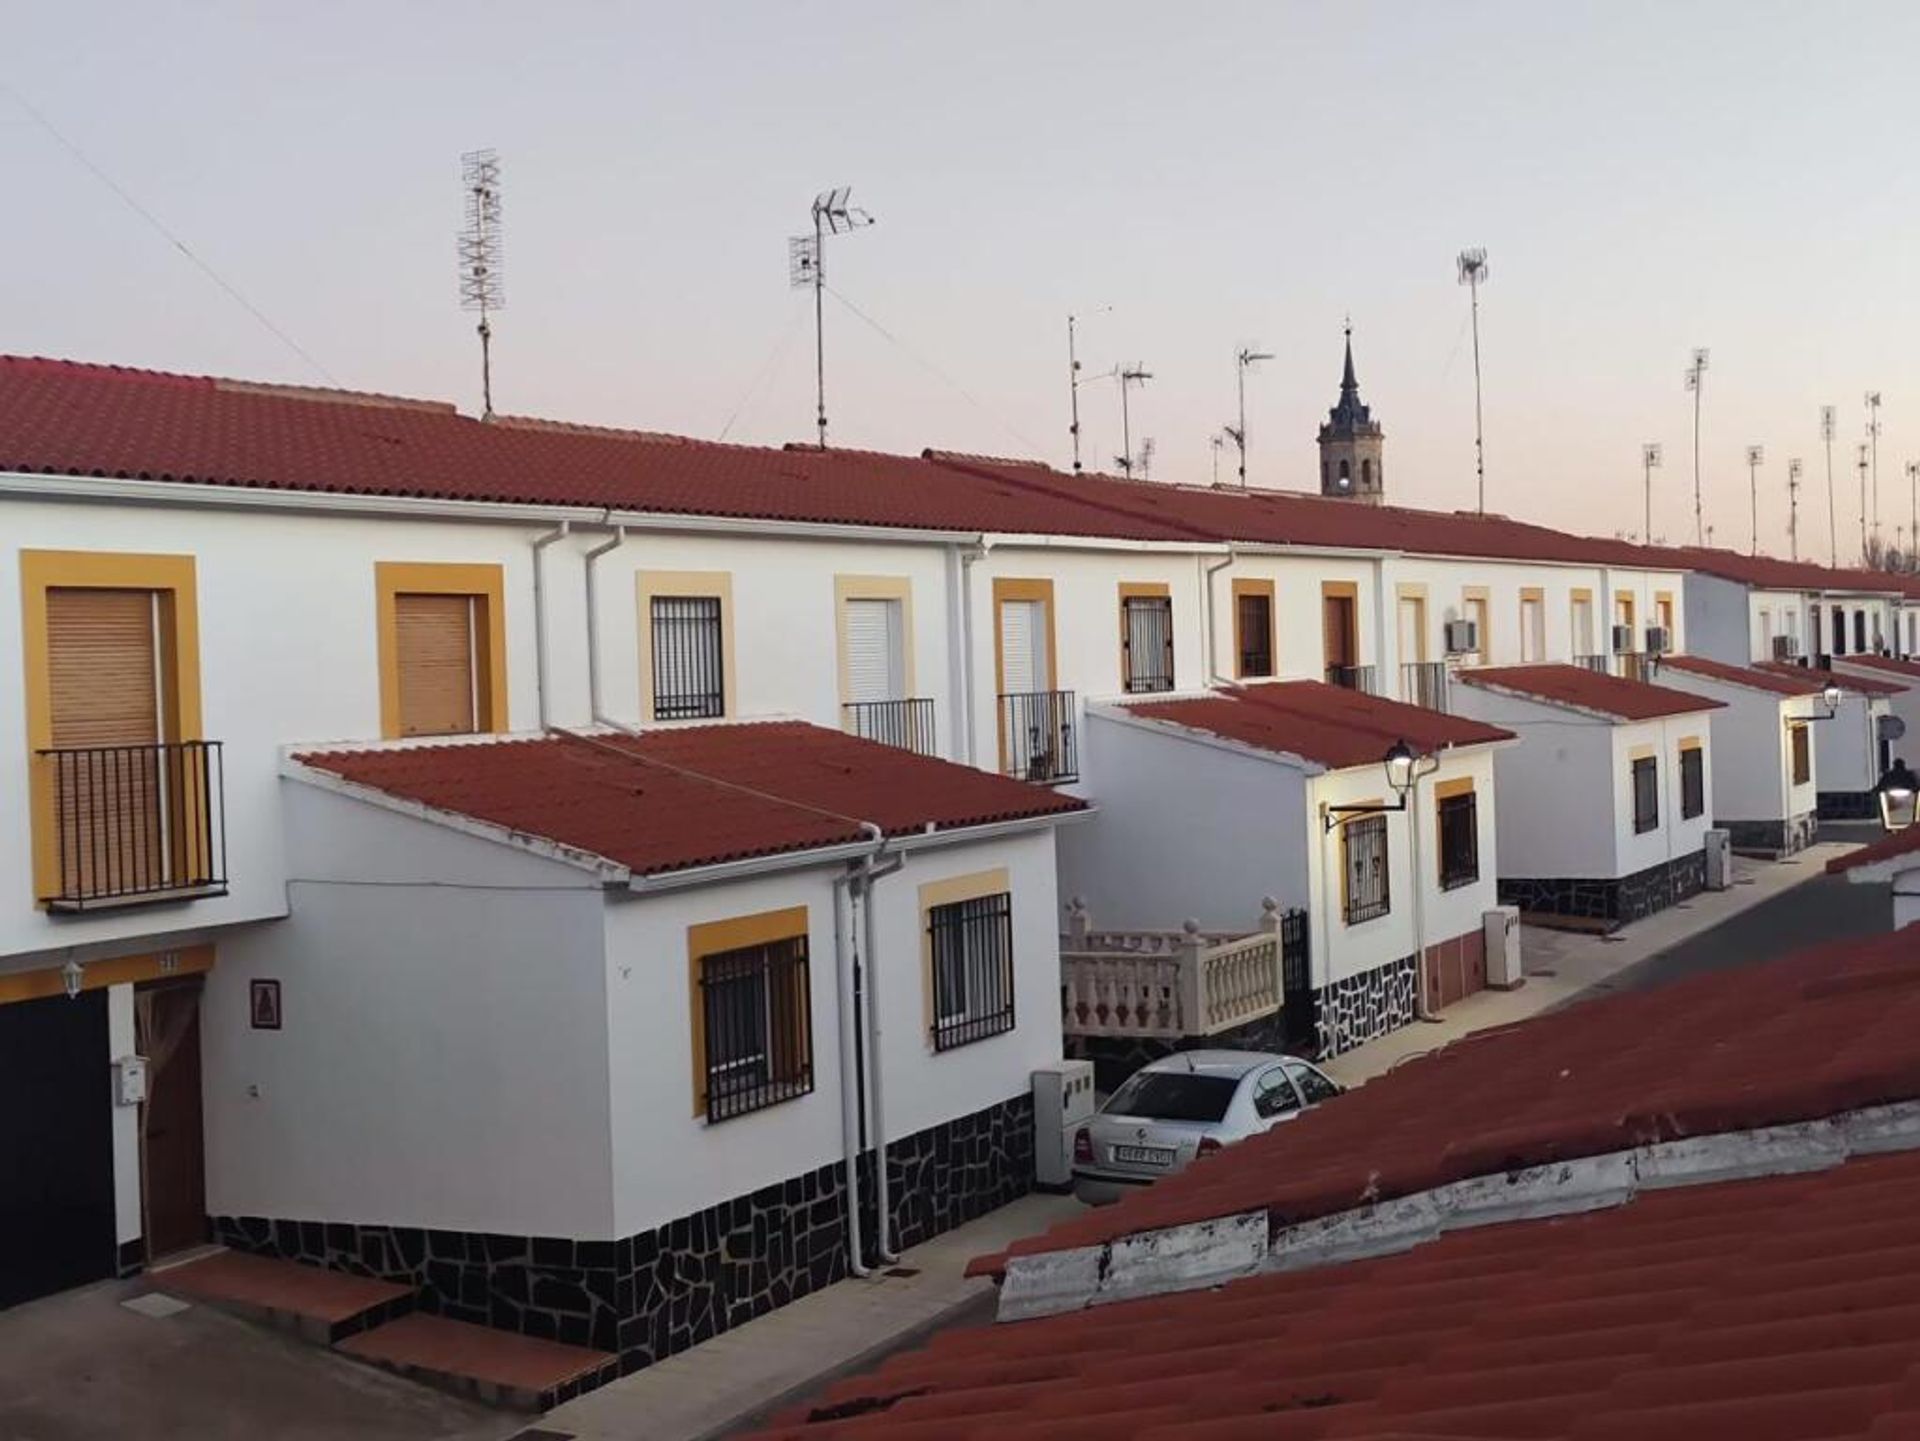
{"points": [[1073, 380], [481, 282], [1245, 360], [1128, 376], [1866, 551], [1217, 441], [1649, 463], [1833, 528], [1146, 458], [1755, 456], [1696, 383], [1793, 507], [806, 266], [1873, 440], [1473, 271]]}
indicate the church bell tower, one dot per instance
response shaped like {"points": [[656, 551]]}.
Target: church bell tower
{"points": [[1350, 444]]}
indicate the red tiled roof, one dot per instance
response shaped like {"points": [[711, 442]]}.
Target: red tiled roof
{"points": [[1799, 682], [1892, 846], [1325, 724], [1892, 665], [1859, 685], [671, 799], [1588, 690], [1769, 572], [1831, 1029], [1765, 1310], [59, 417]]}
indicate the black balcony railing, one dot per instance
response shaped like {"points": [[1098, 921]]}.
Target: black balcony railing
{"points": [[907, 724], [1601, 663], [1424, 683], [136, 823], [1352, 677], [1636, 665], [1036, 736]]}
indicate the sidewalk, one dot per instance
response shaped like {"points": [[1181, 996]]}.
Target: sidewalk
{"points": [[720, 1385], [1559, 965]]}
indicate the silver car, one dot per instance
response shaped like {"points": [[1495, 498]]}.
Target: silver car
{"points": [[1187, 1105]]}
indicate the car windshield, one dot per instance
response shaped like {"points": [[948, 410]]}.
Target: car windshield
{"points": [[1174, 1096]]}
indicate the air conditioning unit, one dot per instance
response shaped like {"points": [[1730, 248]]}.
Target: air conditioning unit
{"points": [[1501, 929], [1062, 1104], [1658, 641], [1719, 853], [1623, 640], [1786, 647], [1462, 637]]}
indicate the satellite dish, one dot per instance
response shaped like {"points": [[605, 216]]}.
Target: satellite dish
{"points": [[1892, 728]]}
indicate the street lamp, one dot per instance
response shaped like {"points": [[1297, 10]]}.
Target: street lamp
{"points": [[1404, 767], [1899, 793]]}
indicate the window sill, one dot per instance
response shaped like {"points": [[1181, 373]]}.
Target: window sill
{"points": [[1460, 883]]}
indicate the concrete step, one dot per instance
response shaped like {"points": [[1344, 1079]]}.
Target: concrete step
{"points": [[497, 1367], [321, 1306]]}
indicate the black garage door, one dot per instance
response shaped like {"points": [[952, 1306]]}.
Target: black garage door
{"points": [[56, 1146]]}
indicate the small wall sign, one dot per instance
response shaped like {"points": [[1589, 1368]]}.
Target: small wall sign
{"points": [[265, 1005]]}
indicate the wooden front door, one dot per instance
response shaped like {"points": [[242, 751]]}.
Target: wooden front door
{"points": [[173, 1164], [1341, 642]]}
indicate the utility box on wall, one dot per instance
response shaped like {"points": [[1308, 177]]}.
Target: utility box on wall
{"points": [[1501, 931], [1719, 855], [1062, 1103]]}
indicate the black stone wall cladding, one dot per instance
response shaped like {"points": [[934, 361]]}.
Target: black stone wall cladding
{"points": [[1117, 1057], [653, 1294], [1361, 1008], [1630, 898], [1847, 806]]}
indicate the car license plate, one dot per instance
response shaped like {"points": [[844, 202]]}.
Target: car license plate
{"points": [[1143, 1155]]}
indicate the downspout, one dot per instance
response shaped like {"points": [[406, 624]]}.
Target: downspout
{"points": [[970, 556], [872, 871], [540, 679], [1386, 684], [1207, 573], [594, 712], [849, 1066]]}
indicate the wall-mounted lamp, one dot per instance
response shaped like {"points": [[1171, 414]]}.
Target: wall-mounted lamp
{"points": [[1830, 699], [1899, 793], [1403, 766], [72, 974]]}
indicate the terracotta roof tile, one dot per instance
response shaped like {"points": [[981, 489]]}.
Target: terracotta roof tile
{"points": [[1327, 725], [1892, 665], [674, 798], [1859, 685], [1588, 690], [1770, 572], [1792, 681], [1893, 845]]}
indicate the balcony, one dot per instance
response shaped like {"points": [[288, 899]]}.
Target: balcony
{"points": [[1601, 663], [1037, 737], [1424, 683], [1637, 665], [1353, 677], [1173, 985], [907, 724], [136, 824]]}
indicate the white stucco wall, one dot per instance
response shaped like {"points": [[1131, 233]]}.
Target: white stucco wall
{"points": [[1675, 835], [1905, 705], [1189, 827], [127, 1219], [1752, 779], [667, 1162], [1846, 748]]}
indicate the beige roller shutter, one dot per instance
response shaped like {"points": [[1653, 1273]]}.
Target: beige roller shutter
{"points": [[101, 667], [433, 637]]}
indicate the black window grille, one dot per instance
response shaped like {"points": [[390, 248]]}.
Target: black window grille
{"points": [[1646, 794], [1037, 736], [907, 724], [1693, 782], [1255, 615], [689, 668], [1146, 642], [1459, 840], [1363, 849], [137, 823], [1352, 677], [1424, 683], [757, 1027], [972, 944]]}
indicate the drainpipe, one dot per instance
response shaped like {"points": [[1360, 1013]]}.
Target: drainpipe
{"points": [[540, 543], [871, 871], [593, 625], [849, 1066], [1422, 1003], [969, 557], [1384, 684], [1207, 573]]}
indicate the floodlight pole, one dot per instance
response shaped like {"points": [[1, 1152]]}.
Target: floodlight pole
{"points": [[1873, 441], [1473, 265], [1755, 454], [1649, 462], [1696, 373], [1913, 506], [1866, 551], [1793, 508], [1833, 525]]}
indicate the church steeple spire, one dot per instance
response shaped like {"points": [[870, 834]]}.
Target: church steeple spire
{"points": [[1350, 441]]}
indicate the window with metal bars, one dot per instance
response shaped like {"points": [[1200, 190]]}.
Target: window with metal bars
{"points": [[689, 658], [1146, 627], [1459, 818], [1254, 614], [972, 945], [756, 1027], [1693, 782], [1646, 794], [1363, 849], [1802, 755]]}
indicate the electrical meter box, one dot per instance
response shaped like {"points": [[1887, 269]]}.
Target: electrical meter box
{"points": [[130, 1080], [1062, 1103]]}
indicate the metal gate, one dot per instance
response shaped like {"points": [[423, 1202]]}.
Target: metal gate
{"points": [[1297, 1012]]}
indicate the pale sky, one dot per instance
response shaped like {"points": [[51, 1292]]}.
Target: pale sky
{"points": [[1646, 178]]}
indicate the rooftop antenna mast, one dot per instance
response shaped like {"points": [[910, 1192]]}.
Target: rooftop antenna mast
{"points": [[1873, 440], [806, 266], [1866, 549], [481, 282], [1073, 380], [1247, 358], [1473, 270], [1129, 376], [1217, 440], [1756, 455], [1833, 527], [1913, 504], [1793, 507], [1649, 463], [1696, 383]]}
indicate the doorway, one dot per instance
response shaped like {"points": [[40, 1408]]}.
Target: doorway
{"points": [[1340, 632], [173, 1185]]}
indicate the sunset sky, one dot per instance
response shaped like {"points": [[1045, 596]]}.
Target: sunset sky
{"points": [[1646, 179]]}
